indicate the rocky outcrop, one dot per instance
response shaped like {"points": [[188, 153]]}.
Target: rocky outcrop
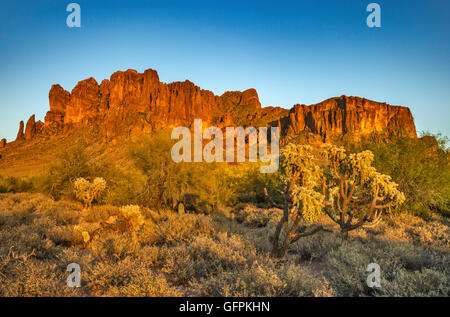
{"points": [[130, 102], [2, 143], [58, 99], [140, 101], [30, 129], [351, 116], [20, 133], [84, 102]]}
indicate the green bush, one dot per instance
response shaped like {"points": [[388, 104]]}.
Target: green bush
{"points": [[73, 163], [15, 184], [201, 187], [420, 166]]}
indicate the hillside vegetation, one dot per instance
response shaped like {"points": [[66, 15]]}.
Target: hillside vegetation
{"points": [[157, 228]]}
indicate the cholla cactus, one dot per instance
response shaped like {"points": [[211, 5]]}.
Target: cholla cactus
{"points": [[84, 235], [348, 188], [302, 200], [356, 193], [131, 218], [87, 191]]}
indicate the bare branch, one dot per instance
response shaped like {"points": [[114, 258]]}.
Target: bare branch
{"points": [[271, 201], [309, 233], [331, 215]]}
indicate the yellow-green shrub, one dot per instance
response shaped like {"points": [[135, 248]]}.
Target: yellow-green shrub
{"points": [[87, 191]]}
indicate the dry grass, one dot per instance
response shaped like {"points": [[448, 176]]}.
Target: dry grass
{"points": [[217, 255]]}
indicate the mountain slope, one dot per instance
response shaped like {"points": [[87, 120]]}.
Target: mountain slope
{"points": [[131, 103]]}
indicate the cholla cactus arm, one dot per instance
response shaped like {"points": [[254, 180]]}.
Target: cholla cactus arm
{"points": [[309, 201], [385, 196], [329, 205]]}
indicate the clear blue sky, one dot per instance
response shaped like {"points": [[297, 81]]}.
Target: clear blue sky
{"points": [[290, 51]]}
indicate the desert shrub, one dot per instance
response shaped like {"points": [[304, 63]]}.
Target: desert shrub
{"points": [[177, 228], [254, 281], [420, 166], [4, 186], [11, 219], [28, 239], [249, 184], [22, 276], [81, 236], [346, 270], [69, 165], [149, 255], [206, 256], [266, 279], [113, 245], [430, 232], [123, 185], [127, 277], [201, 187], [75, 162], [32, 183], [111, 223], [99, 213], [63, 213], [62, 236], [426, 282], [178, 264], [149, 233], [25, 202], [406, 270], [131, 218], [146, 284], [20, 184], [33, 216], [316, 247], [257, 217]]}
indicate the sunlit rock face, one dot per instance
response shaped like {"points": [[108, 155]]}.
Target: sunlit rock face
{"points": [[58, 100], [351, 116], [130, 102]]}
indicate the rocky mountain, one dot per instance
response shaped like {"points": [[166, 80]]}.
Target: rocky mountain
{"points": [[130, 102]]}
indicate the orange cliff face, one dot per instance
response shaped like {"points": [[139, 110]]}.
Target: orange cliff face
{"points": [[131, 102], [351, 116]]}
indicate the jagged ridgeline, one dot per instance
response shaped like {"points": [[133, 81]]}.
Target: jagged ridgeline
{"points": [[131, 103]]}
